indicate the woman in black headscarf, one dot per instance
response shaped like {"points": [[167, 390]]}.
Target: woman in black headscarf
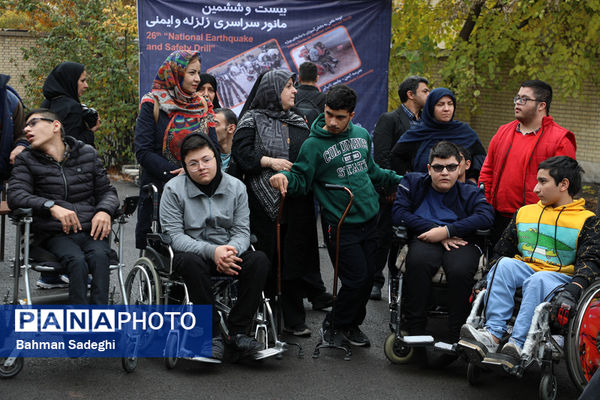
{"points": [[62, 89], [208, 88], [267, 140], [411, 153]]}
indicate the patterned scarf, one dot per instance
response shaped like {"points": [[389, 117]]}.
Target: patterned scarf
{"points": [[188, 113]]}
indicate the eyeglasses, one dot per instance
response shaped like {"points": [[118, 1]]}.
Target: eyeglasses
{"points": [[522, 100], [31, 123], [196, 165], [440, 167]]}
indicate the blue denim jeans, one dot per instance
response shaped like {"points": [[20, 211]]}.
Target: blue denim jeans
{"points": [[508, 275]]}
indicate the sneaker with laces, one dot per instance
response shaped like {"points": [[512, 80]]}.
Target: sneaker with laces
{"points": [[51, 282], [512, 349], [218, 348], [356, 337], [245, 344], [480, 340], [299, 330]]}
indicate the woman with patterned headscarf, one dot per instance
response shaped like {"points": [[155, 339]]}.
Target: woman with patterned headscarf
{"points": [[267, 140], [168, 113]]}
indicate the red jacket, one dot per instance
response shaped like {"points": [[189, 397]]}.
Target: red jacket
{"points": [[509, 171]]}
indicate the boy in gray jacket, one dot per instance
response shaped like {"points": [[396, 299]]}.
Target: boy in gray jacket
{"points": [[205, 212]]}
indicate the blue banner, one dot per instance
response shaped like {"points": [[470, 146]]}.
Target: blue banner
{"points": [[105, 331], [348, 40]]}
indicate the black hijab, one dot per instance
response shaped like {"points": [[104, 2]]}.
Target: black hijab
{"points": [[201, 141], [208, 78], [62, 81]]}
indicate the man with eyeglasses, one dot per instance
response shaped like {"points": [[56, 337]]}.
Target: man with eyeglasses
{"points": [[442, 216], [65, 184], [509, 170]]}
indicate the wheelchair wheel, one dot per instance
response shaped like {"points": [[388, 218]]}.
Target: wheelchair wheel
{"points": [[582, 341], [129, 364], [13, 370], [142, 286], [171, 351], [396, 351], [548, 388]]}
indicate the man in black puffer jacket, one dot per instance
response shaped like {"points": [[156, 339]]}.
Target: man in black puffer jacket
{"points": [[65, 183]]}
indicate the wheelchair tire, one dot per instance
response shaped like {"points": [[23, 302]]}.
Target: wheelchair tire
{"points": [[548, 389], [473, 374], [13, 370], [582, 347], [171, 351], [397, 352], [129, 364], [142, 286]]}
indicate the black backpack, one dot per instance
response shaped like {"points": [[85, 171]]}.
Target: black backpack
{"points": [[308, 109]]}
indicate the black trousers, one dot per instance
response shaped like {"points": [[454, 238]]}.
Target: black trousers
{"points": [[358, 243], [196, 273], [422, 262], [387, 247], [82, 255]]}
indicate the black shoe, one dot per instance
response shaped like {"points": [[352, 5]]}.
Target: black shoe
{"points": [[218, 348], [322, 301], [299, 330], [335, 337], [375, 293], [356, 337], [245, 344]]}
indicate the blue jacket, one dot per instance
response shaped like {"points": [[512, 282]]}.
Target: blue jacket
{"points": [[467, 201]]}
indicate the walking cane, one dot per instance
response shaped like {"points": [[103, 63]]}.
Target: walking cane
{"points": [[331, 344]]}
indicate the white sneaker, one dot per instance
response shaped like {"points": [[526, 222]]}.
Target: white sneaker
{"points": [[512, 349], [481, 337]]}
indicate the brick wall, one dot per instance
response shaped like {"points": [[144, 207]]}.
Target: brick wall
{"points": [[11, 62]]}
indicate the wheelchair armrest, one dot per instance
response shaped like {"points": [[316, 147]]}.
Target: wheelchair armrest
{"points": [[163, 238], [21, 213], [400, 232], [129, 205], [483, 232]]}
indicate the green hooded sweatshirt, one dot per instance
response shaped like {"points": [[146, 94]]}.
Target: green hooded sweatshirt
{"points": [[341, 159]]}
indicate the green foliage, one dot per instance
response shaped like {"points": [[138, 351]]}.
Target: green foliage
{"points": [[553, 40], [101, 35]]}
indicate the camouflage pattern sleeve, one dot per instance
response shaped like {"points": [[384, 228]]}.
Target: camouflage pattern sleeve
{"points": [[587, 262]]}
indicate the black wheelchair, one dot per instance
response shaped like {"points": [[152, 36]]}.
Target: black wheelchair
{"points": [[399, 347], [152, 281], [29, 256]]}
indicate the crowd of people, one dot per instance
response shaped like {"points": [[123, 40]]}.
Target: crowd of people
{"points": [[222, 176]]}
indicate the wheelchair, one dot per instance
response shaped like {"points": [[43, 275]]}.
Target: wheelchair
{"points": [[152, 281], [399, 347], [578, 343], [31, 257]]}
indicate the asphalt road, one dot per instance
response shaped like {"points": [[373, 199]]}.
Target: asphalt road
{"points": [[368, 375]]}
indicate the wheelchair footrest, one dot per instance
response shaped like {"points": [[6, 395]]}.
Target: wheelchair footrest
{"points": [[273, 351], [418, 340], [445, 347], [204, 359]]}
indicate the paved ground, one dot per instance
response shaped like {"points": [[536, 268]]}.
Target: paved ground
{"points": [[367, 375]]}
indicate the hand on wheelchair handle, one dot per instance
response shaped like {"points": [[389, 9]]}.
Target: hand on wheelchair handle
{"points": [[564, 305], [479, 286]]}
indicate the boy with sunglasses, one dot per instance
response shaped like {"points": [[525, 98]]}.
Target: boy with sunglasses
{"points": [[442, 216]]}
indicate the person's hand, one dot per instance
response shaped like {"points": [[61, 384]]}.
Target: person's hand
{"points": [[434, 235], [478, 287], [67, 218], [276, 164], [279, 182], [226, 259], [178, 171], [101, 223], [95, 127], [16, 151], [564, 303], [453, 242]]}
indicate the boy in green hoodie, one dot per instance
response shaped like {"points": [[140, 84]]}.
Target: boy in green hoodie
{"points": [[550, 250], [339, 152]]}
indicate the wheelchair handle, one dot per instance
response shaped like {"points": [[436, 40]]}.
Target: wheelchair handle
{"points": [[151, 190]]}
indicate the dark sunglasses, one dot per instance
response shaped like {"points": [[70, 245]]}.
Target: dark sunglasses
{"points": [[31, 123], [440, 167]]}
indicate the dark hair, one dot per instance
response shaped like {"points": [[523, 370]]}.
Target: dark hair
{"points": [[465, 153], [411, 83], [229, 115], [193, 142], [46, 113], [444, 150], [541, 90], [308, 72], [564, 167], [341, 97]]}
